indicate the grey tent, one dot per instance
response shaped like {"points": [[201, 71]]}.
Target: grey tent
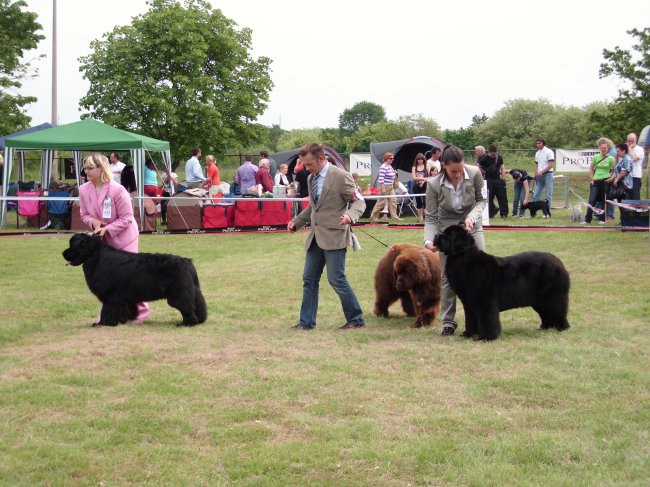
{"points": [[404, 152], [290, 157]]}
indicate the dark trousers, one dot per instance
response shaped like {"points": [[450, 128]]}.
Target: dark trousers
{"points": [[497, 187], [163, 207], [635, 193], [596, 195]]}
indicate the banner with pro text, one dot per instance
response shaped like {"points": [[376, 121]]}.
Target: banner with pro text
{"points": [[574, 160], [360, 163]]}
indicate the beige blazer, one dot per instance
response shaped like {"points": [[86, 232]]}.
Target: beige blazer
{"points": [[337, 198], [440, 213]]}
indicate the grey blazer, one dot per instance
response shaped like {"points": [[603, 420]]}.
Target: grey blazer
{"points": [[440, 213], [337, 198]]}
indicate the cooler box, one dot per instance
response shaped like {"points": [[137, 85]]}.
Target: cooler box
{"points": [[276, 212], [75, 219], [149, 220], [631, 218], [248, 213], [183, 217], [218, 216]]}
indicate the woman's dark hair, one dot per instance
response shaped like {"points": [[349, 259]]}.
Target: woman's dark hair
{"points": [[451, 154], [419, 156], [622, 147], [150, 164], [128, 178]]}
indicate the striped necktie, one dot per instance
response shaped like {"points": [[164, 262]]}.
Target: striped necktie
{"points": [[313, 188]]}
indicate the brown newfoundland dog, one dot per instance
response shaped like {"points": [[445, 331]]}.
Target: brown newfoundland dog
{"points": [[410, 273]]}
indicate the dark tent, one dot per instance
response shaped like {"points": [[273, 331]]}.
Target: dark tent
{"points": [[290, 157], [36, 128], [404, 152]]}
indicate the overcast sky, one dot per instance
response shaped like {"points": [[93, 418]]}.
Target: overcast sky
{"points": [[447, 60]]}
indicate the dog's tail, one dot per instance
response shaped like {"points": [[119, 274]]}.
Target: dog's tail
{"points": [[200, 307]]}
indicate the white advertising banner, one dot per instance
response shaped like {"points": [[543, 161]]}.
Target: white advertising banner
{"points": [[360, 163], [574, 160]]}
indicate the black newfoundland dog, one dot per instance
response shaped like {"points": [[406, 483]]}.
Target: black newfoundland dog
{"points": [[535, 206], [487, 284], [122, 279]]}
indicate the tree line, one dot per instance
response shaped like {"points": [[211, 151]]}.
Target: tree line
{"points": [[184, 73]]}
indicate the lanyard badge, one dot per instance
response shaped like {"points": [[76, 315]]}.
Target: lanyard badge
{"points": [[107, 208]]}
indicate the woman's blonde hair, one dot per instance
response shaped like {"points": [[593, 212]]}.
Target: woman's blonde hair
{"points": [[99, 160], [605, 140], [209, 158], [282, 166]]}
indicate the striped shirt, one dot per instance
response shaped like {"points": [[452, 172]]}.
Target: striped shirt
{"points": [[386, 174]]}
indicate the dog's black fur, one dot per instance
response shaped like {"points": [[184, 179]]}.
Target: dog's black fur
{"points": [[122, 279], [535, 206], [487, 284]]}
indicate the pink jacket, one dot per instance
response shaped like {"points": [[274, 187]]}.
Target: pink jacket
{"points": [[121, 228]]}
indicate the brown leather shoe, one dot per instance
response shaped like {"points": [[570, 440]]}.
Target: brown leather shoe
{"points": [[352, 326]]}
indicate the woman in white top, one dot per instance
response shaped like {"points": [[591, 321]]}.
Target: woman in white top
{"points": [[170, 181], [281, 178]]}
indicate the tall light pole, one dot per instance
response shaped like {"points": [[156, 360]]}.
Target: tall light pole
{"points": [[54, 74], [55, 160]]}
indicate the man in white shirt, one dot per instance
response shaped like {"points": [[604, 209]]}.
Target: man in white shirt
{"points": [[193, 172], [434, 161], [636, 155], [116, 167], [544, 159]]}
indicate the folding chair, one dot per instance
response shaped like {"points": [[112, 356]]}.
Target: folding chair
{"points": [[407, 204], [28, 209], [58, 211]]}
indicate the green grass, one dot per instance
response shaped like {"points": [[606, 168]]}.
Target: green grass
{"points": [[242, 400]]}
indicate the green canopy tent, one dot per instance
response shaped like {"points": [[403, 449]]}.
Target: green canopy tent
{"points": [[86, 135]]}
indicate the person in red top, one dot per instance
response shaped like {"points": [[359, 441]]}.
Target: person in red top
{"points": [[213, 177], [263, 177]]}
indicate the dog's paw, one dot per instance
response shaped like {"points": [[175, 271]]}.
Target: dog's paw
{"points": [[467, 334]]}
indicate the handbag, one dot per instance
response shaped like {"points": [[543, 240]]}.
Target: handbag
{"points": [[395, 181], [617, 192]]}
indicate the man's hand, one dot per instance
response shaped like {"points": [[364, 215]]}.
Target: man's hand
{"points": [[429, 245], [291, 226], [525, 201], [345, 219]]}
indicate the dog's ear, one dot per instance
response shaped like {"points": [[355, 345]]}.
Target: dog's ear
{"points": [[422, 268]]}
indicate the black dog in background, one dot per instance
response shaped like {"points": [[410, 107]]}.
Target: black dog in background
{"points": [[122, 279], [535, 206], [487, 284]]}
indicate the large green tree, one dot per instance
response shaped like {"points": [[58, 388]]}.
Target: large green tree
{"points": [[402, 128], [18, 34], [360, 114], [632, 107], [183, 73]]}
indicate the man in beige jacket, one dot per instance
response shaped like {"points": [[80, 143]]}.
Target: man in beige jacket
{"points": [[334, 205]]}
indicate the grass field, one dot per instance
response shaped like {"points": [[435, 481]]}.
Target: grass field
{"points": [[242, 400]]}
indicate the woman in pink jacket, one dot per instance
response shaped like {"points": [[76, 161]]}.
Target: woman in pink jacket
{"points": [[106, 208]]}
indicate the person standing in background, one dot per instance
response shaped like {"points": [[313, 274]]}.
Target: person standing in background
{"points": [[214, 177], [385, 180], [544, 160], [193, 172], [636, 156], [117, 167]]}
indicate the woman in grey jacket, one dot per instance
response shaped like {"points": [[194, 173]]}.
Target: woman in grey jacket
{"points": [[455, 195]]}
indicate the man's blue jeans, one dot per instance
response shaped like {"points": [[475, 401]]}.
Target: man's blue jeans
{"points": [[315, 262], [518, 199], [544, 181]]}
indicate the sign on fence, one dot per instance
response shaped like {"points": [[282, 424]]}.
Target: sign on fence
{"points": [[360, 163], [574, 160]]}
